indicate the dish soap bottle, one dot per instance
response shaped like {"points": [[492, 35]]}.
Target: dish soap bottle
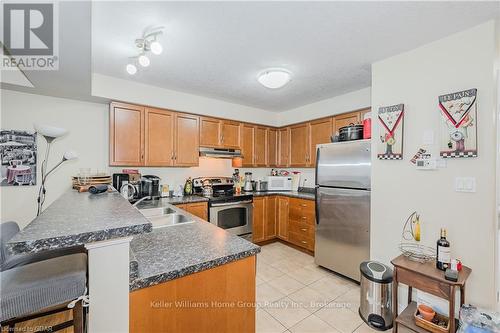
{"points": [[443, 252], [188, 188]]}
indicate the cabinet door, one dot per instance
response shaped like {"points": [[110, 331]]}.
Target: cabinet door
{"points": [[363, 112], [187, 140], [260, 147], [126, 135], [283, 147], [272, 147], [270, 226], [230, 137], [345, 119], [210, 132], [259, 219], [159, 137], [283, 218], [248, 145], [321, 132], [299, 143], [199, 209]]}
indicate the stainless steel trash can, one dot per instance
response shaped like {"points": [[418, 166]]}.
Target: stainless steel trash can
{"points": [[376, 295]]}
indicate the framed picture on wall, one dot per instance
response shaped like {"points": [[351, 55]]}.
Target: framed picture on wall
{"points": [[18, 154], [390, 141], [459, 125]]}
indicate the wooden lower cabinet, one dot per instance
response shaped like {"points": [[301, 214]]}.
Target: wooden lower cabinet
{"points": [[270, 223], [199, 209], [259, 219], [198, 302], [289, 219], [282, 218]]}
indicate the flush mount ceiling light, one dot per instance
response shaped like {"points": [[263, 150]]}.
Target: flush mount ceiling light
{"points": [[148, 43], [274, 78]]}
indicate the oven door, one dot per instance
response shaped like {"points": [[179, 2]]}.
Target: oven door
{"points": [[234, 217]]}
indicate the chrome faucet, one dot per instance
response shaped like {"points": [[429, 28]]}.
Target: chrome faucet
{"points": [[141, 200]]}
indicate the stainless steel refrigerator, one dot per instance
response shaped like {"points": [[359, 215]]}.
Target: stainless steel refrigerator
{"points": [[343, 206]]}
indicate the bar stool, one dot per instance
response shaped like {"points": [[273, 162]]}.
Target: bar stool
{"points": [[33, 286]]}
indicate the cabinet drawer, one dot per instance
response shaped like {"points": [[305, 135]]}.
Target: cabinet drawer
{"points": [[302, 228], [301, 216], [301, 240], [302, 203]]}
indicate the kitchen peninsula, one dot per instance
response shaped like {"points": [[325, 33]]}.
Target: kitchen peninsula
{"points": [[193, 259]]}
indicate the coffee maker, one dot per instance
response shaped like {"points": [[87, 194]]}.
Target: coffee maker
{"points": [[133, 181], [150, 187]]}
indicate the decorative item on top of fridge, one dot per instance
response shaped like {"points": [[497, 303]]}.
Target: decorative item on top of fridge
{"points": [[459, 113], [410, 245], [367, 125], [390, 146]]}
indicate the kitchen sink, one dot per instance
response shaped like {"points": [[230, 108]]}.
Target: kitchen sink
{"points": [[164, 217], [152, 212]]}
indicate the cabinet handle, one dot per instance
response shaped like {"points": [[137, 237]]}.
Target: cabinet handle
{"points": [[303, 205], [222, 138], [304, 217], [172, 157], [303, 229], [303, 242]]}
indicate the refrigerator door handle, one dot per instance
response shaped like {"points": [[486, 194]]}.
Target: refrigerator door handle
{"points": [[316, 204]]}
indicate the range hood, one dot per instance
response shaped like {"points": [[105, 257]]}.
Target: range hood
{"points": [[219, 152]]}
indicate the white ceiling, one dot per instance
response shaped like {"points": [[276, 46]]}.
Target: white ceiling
{"points": [[216, 49]]}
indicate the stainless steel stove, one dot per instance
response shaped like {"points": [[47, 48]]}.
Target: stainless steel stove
{"points": [[227, 210]]}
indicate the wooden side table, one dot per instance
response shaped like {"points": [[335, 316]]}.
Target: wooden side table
{"points": [[425, 277]]}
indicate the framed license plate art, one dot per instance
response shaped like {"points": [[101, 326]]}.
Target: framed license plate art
{"points": [[18, 157], [390, 143], [459, 112]]}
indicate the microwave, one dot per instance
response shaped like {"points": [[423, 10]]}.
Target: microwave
{"points": [[279, 183]]}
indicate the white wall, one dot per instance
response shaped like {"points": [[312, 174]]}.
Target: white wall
{"points": [[340, 104], [417, 78], [139, 93], [88, 136]]}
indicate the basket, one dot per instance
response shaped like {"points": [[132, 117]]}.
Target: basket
{"points": [[430, 326]]}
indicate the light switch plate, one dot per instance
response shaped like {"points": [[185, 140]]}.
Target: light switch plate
{"points": [[428, 137], [465, 184]]}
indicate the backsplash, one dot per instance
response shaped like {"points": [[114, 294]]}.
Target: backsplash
{"points": [[212, 167]]}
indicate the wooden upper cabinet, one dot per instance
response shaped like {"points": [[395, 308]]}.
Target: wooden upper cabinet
{"points": [[283, 147], [271, 214], [247, 144], [363, 112], [300, 147], [260, 146], [259, 219], [321, 132], [345, 119], [272, 147], [210, 132], [126, 136], [187, 140], [230, 134], [159, 137], [282, 217]]}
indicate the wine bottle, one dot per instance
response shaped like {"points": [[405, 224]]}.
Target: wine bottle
{"points": [[443, 252]]}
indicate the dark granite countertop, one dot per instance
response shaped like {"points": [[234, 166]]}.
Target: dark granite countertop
{"points": [[171, 200], [77, 219], [175, 251], [291, 194]]}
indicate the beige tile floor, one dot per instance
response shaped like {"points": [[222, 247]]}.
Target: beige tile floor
{"points": [[294, 295]]}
